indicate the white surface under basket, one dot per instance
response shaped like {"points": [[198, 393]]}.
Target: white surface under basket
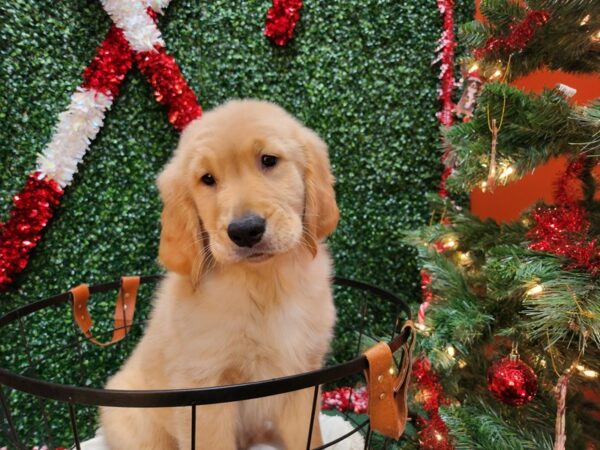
{"points": [[332, 427]]}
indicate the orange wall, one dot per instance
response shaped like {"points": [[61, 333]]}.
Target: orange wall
{"points": [[507, 202]]}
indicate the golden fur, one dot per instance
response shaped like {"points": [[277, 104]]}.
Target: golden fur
{"points": [[226, 314]]}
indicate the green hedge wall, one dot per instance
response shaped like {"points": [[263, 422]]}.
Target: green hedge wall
{"points": [[358, 72]]}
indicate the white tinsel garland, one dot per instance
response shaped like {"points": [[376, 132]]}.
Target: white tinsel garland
{"points": [[76, 129], [138, 27]]}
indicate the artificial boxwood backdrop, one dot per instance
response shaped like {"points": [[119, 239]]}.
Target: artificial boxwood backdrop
{"points": [[358, 72]]}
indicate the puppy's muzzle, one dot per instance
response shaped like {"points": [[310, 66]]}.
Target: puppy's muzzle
{"points": [[247, 231]]}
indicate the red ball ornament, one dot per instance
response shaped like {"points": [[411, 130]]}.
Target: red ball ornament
{"points": [[512, 381]]}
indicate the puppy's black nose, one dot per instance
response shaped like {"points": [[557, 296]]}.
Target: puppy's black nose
{"points": [[247, 230]]}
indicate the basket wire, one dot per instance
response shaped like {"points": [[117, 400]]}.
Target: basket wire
{"points": [[46, 393]]}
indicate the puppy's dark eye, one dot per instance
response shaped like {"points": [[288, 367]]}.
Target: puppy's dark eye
{"points": [[268, 160], [208, 179]]}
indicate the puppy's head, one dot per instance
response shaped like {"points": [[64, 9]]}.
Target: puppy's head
{"points": [[247, 182]]}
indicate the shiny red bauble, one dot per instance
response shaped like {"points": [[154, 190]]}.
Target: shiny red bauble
{"points": [[512, 381]]}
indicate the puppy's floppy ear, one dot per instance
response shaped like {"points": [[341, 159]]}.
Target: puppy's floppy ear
{"points": [[182, 246], [321, 213]]}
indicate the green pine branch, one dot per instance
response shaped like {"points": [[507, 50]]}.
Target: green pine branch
{"points": [[588, 117], [533, 130], [477, 425], [566, 310], [500, 14], [568, 41], [461, 318]]}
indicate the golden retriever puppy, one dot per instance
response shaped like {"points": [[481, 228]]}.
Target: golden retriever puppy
{"points": [[248, 197]]}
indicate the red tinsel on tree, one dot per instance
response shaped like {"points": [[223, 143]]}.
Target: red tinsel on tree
{"points": [[433, 433], [520, 35], [33, 208], [281, 21], [568, 186], [564, 229]]}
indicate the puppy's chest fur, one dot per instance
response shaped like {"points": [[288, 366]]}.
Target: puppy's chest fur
{"points": [[237, 328]]}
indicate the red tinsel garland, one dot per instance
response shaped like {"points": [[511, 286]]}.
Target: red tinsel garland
{"points": [[520, 35], [110, 65], [346, 399], [33, 208], [170, 88], [446, 57], [281, 21]]}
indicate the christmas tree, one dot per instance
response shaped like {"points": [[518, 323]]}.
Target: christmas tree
{"points": [[510, 319]]}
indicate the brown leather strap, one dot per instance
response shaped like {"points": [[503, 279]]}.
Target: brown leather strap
{"points": [[124, 310], [388, 390]]}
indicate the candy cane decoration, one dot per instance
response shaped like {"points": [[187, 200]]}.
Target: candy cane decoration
{"points": [[134, 36]]}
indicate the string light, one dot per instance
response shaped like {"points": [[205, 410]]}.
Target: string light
{"points": [[438, 436], [507, 172], [589, 373], [497, 74], [535, 290], [421, 327], [596, 37], [465, 258], [585, 20], [449, 243], [462, 363], [451, 351], [474, 68]]}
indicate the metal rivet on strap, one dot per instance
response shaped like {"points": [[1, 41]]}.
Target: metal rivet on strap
{"points": [[382, 396], [380, 379]]}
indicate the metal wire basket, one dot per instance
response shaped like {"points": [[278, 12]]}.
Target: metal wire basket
{"points": [[21, 374]]}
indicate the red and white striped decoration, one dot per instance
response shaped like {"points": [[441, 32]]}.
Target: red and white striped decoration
{"points": [[133, 37]]}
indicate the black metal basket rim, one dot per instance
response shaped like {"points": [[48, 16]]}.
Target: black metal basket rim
{"points": [[183, 397]]}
